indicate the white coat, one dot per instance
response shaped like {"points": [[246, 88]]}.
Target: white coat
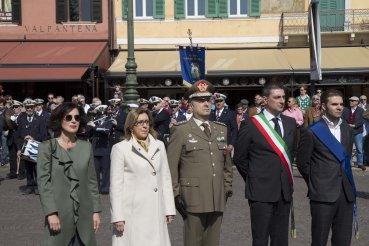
{"points": [[140, 193]]}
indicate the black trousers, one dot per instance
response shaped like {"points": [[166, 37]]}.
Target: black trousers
{"points": [[270, 219], [336, 215], [31, 173], [102, 167], [13, 158]]}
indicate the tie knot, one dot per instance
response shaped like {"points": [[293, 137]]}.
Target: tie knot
{"points": [[275, 120], [205, 125]]}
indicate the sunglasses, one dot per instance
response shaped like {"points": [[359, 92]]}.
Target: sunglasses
{"points": [[69, 118], [28, 107]]}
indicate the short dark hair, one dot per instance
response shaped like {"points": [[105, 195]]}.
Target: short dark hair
{"points": [[330, 93], [58, 114], [271, 86]]}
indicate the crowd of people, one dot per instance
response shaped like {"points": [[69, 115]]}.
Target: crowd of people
{"points": [[163, 154]]}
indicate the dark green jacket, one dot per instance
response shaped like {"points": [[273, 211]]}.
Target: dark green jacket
{"points": [[68, 186]]}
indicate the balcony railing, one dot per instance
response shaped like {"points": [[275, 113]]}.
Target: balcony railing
{"points": [[6, 17], [348, 20]]}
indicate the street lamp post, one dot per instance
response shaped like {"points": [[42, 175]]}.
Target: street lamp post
{"points": [[130, 94]]}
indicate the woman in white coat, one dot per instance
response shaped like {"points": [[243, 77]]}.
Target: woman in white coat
{"points": [[141, 194]]}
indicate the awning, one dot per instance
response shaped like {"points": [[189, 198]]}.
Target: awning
{"points": [[49, 61], [247, 62]]}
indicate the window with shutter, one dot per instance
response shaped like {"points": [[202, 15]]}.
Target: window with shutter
{"points": [[223, 8], [124, 9], [159, 9], [332, 16], [15, 11], [179, 9], [211, 8], [195, 8], [61, 11], [97, 11], [238, 8], [254, 9]]}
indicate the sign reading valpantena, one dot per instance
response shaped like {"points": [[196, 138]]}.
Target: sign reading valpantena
{"points": [[61, 29]]}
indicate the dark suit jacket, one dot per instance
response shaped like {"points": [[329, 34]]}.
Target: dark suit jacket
{"points": [[320, 169], [227, 117], [359, 121], [100, 137], [119, 128], [162, 121], [36, 129], [260, 166], [180, 117]]}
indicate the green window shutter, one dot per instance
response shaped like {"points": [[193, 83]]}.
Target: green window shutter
{"points": [[97, 11], [223, 8], [159, 9], [211, 8], [61, 11], [254, 8], [179, 9], [16, 11], [124, 9]]}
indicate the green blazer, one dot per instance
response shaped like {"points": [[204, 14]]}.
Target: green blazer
{"points": [[68, 186]]}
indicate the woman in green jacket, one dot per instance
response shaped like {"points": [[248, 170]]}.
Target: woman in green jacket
{"points": [[67, 181]]}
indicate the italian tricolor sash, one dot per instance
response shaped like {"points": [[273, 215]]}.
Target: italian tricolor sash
{"points": [[275, 141]]}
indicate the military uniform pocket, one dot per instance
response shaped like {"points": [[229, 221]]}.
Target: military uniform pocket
{"points": [[190, 191]]}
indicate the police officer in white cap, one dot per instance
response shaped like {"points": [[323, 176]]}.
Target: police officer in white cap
{"points": [[30, 127], [177, 115], [161, 118]]}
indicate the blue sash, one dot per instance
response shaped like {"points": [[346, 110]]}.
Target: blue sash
{"points": [[322, 132]]}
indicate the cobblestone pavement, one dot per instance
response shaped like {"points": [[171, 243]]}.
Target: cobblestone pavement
{"points": [[21, 219]]}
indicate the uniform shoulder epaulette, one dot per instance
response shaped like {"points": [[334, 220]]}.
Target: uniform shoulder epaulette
{"points": [[180, 123], [220, 123]]}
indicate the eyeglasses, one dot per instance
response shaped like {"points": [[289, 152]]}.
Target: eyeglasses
{"points": [[69, 118], [28, 107], [142, 123]]}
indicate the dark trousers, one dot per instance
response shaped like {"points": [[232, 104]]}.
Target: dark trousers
{"points": [[336, 215], [76, 240], [102, 167], [13, 158], [270, 219], [202, 229], [31, 173]]}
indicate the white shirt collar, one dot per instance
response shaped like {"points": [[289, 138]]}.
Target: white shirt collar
{"points": [[331, 124], [199, 122], [269, 116]]}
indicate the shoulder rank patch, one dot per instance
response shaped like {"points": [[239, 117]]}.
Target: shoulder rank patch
{"points": [[180, 123], [220, 123]]}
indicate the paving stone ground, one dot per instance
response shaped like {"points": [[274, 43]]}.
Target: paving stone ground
{"points": [[21, 219]]}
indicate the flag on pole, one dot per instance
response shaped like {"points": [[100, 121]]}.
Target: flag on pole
{"points": [[314, 41], [192, 64]]}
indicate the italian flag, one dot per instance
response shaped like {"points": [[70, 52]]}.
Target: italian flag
{"points": [[275, 141]]}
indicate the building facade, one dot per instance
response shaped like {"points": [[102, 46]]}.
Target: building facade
{"points": [[248, 42], [58, 46]]}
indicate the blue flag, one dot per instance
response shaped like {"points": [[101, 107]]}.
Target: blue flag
{"points": [[192, 64]]}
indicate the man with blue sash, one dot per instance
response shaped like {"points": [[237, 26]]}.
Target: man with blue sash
{"points": [[324, 161]]}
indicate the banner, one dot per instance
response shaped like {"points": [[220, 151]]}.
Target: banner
{"points": [[315, 41], [192, 64]]}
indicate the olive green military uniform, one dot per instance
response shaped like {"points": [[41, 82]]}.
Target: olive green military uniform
{"points": [[202, 175]]}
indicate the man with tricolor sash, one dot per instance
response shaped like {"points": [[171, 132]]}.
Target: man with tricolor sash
{"points": [[324, 161], [264, 151]]}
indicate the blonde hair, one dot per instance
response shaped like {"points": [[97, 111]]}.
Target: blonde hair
{"points": [[132, 120]]}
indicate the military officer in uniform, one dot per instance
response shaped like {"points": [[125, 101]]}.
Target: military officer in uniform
{"points": [[161, 118], [177, 115], [201, 169], [226, 116], [143, 103]]}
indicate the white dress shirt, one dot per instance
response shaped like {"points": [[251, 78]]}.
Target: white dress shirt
{"points": [[269, 116], [335, 129]]}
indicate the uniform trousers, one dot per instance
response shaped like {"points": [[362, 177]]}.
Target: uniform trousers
{"points": [[202, 229], [270, 219], [31, 173], [13, 159], [102, 167], [336, 215]]}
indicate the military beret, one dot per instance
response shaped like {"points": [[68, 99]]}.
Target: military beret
{"points": [[155, 99], [29, 102], [200, 88], [39, 101]]}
